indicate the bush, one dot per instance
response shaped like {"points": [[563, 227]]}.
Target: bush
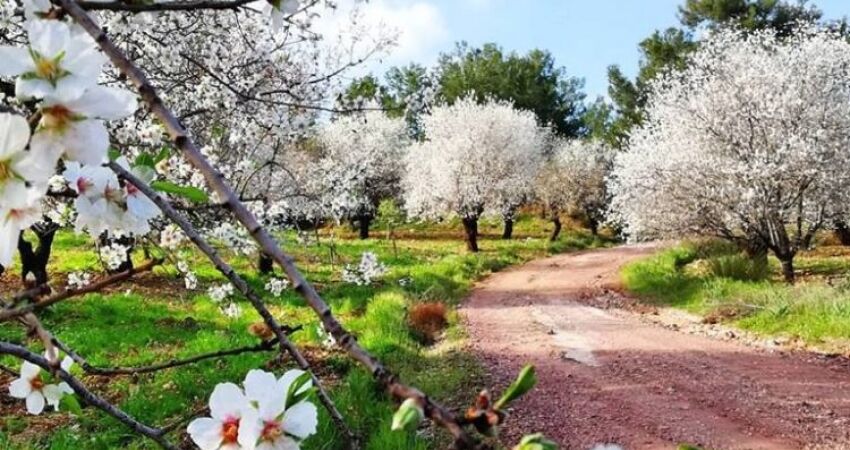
{"points": [[712, 247], [427, 320], [738, 267]]}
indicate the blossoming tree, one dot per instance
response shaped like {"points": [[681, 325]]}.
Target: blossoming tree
{"points": [[361, 165], [749, 143], [476, 159], [54, 137]]}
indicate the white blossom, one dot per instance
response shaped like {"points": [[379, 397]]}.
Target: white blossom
{"points": [[365, 272], [32, 388], [78, 280], [276, 286]]}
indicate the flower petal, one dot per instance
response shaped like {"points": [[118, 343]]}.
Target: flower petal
{"points": [[106, 103], [16, 60], [250, 428], [227, 402], [35, 403], [301, 420], [20, 388], [48, 37], [259, 384], [86, 141], [29, 370], [14, 133], [205, 432], [53, 394]]}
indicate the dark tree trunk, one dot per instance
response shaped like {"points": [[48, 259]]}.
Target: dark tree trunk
{"points": [[593, 224], [755, 249], [788, 269], [265, 264], [557, 230], [842, 232], [508, 232], [363, 225], [470, 226], [34, 260]]}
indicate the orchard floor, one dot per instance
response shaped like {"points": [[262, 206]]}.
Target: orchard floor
{"points": [[608, 375]]}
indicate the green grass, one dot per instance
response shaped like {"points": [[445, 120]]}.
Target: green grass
{"points": [[152, 319], [815, 310]]}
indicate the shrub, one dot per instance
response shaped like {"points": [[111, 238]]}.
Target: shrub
{"points": [[427, 320], [711, 247], [738, 267]]}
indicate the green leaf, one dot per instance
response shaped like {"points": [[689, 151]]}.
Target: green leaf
{"points": [[162, 155], [69, 403], [113, 154], [297, 392], [408, 416], [188, 192], [523, 383], [145, 159], [688, 447], [536, 442]]}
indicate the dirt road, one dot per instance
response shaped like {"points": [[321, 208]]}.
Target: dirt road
{"points": [[606, 376]]}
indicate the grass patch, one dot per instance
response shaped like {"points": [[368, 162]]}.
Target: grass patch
{"points": [[750, 295], [153, 319]]}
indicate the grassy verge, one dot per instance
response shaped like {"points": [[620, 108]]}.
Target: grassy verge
{"points": [[154, 319], [816, 310]]}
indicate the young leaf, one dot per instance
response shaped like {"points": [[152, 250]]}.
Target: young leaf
{"points": [[69, 403], [408, 416], [188, 192], [536, 442], [524, 382], [297, 392]]}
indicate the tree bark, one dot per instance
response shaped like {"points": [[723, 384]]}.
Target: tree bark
{"points": [[755, 249], [557, 230], [593, 224], [470, 226], [842, 232], [788, 269], [363, 225], [34, 260], [508, 232], [265, 264]]}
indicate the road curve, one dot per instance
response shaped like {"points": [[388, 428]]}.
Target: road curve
{"points": [[608, 377]]}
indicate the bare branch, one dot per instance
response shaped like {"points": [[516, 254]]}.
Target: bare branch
{"points": [[195, 5], [86, 395]]}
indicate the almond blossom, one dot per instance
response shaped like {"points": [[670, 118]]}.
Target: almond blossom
{"points": [[57, 63], [284, 422], [69, 123], [233, 423], [32, 388]]}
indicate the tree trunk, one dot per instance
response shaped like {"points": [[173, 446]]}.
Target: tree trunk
{"points": [[593, 224], [34, 261], [265, 264], [755, 249], [508, 233], [470, 226], [363, 224], [557, 230], [842, 232], [788, 269]]}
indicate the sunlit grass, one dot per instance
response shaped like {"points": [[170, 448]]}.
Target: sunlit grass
{"points": [[816, 309]]}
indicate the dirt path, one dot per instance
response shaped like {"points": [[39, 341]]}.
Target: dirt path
{"points": [[606, 376]]}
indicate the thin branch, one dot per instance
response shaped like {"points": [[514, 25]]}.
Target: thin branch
{"points": [[86, 395], [93, 370], [436, 412], [286, 346], [195, 5], [74, 292]]}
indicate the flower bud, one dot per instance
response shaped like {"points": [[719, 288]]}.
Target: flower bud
{"points": [[408, 415]]}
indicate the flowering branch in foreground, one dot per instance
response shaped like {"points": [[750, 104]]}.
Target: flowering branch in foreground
{"points": [[436, 412]]}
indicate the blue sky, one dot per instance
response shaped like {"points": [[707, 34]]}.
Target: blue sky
{"points": [[585, 36]]}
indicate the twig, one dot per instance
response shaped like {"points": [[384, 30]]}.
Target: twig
{"points": [[70, 293], [93, 370], [163, 6], [86, 395]]}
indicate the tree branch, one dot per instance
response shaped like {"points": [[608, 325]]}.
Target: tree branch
{"points": [[136, 7], [436, 412], [86, 395]]}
